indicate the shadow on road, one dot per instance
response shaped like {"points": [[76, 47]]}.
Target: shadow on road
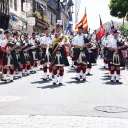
{"points": [[39, 82], [114, 83], [76, 82], [51, 86], [102, 69]]}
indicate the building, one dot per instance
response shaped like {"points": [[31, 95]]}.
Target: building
{"points": [[40, 13], [52, 12], [4, 14], [18, 18]]}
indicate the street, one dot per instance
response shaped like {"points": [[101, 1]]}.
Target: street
{"points": [[32, 96]]}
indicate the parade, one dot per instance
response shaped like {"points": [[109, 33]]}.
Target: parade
{"points": [[22, 54], [63, 64]]}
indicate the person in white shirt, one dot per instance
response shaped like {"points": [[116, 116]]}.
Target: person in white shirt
{"points": [[105, 44], [114, 48], [46, 45], [8, 46], [1, 40], [79, 54], [59, 54]]}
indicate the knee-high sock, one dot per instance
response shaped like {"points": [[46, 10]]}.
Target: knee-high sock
{"points": [[11, 74], [35, 64], [55, 75], [112, 74], [50, 69], [45, 72], [78, 69], [118, 74]]}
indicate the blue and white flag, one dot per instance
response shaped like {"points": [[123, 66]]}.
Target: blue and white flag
{"points": [[69, 25]]}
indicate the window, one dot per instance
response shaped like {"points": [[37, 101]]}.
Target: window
{"points": [[15, 5], [11, 4], [22, 1]]}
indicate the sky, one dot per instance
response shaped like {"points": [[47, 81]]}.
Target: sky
{"points": [[93, 9]]}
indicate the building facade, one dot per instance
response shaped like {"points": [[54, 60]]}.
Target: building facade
{"points": [[18, 18], [4, 14]]}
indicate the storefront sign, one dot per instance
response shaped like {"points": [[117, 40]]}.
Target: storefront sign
{"points": [[31, 21], [60, 22], [26, 7]]}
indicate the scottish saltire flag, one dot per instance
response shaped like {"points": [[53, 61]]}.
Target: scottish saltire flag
{"points": [[69, 25]]}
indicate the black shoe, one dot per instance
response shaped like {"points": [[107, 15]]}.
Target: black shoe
{"points": [[3, 80], [44, 79], [112, 81], [11, 80], [88, 74], [54, 83], [84, 79], [60, 84], [77, 79], [117, 81]]}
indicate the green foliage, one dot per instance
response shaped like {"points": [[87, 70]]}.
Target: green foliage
{"points": [[123, 29], [118, 8]]}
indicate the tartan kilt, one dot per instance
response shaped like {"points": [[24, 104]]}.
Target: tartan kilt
{"points": [[22, 59], [63, 59], [38, 55], [6, 60], [48, 58], [76, 54], [110, 58]]}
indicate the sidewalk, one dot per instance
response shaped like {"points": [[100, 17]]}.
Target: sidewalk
{"points": [[26, 121]]}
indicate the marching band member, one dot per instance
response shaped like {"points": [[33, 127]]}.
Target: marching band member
{"points": [[46, 45], [59, 56], [9, 58], [115, 56], [80, 54], [105, 44]]}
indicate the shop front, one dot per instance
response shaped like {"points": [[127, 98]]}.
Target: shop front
{"points": [[17, 24]]}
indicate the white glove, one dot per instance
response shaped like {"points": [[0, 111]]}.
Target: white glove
{"points": [[62, 43], [47, 50]]}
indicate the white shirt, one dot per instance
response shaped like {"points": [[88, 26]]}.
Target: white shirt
{"points": [[46, 40], [110, 37], [78, 40], [105, 42], [112, 43]]}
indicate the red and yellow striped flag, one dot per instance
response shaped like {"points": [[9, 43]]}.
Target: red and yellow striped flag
{"points": [[82, 22]]}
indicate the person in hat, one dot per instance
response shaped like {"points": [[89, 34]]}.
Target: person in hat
{"points": [[46, 45], [80, 53], [8, 47], [33, 54], [59, 54], [1, 40], [115, 57], [104, 47]]}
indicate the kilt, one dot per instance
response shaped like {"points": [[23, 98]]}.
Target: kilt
{"points": [[105, 52], [92, 58], [7, 59], [76, 55], [110, 58], [22, 59], [38, 55], [60, 58]]}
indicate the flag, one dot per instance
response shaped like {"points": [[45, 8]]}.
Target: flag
{"points": [[100, 34], [83, 23], [69, 25], [70, 3]]}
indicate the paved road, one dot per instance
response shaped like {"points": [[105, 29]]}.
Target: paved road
{"points": [[32, 96]]}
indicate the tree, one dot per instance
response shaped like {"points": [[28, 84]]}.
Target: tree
{"points": [[123, 29], [119, 8]]}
